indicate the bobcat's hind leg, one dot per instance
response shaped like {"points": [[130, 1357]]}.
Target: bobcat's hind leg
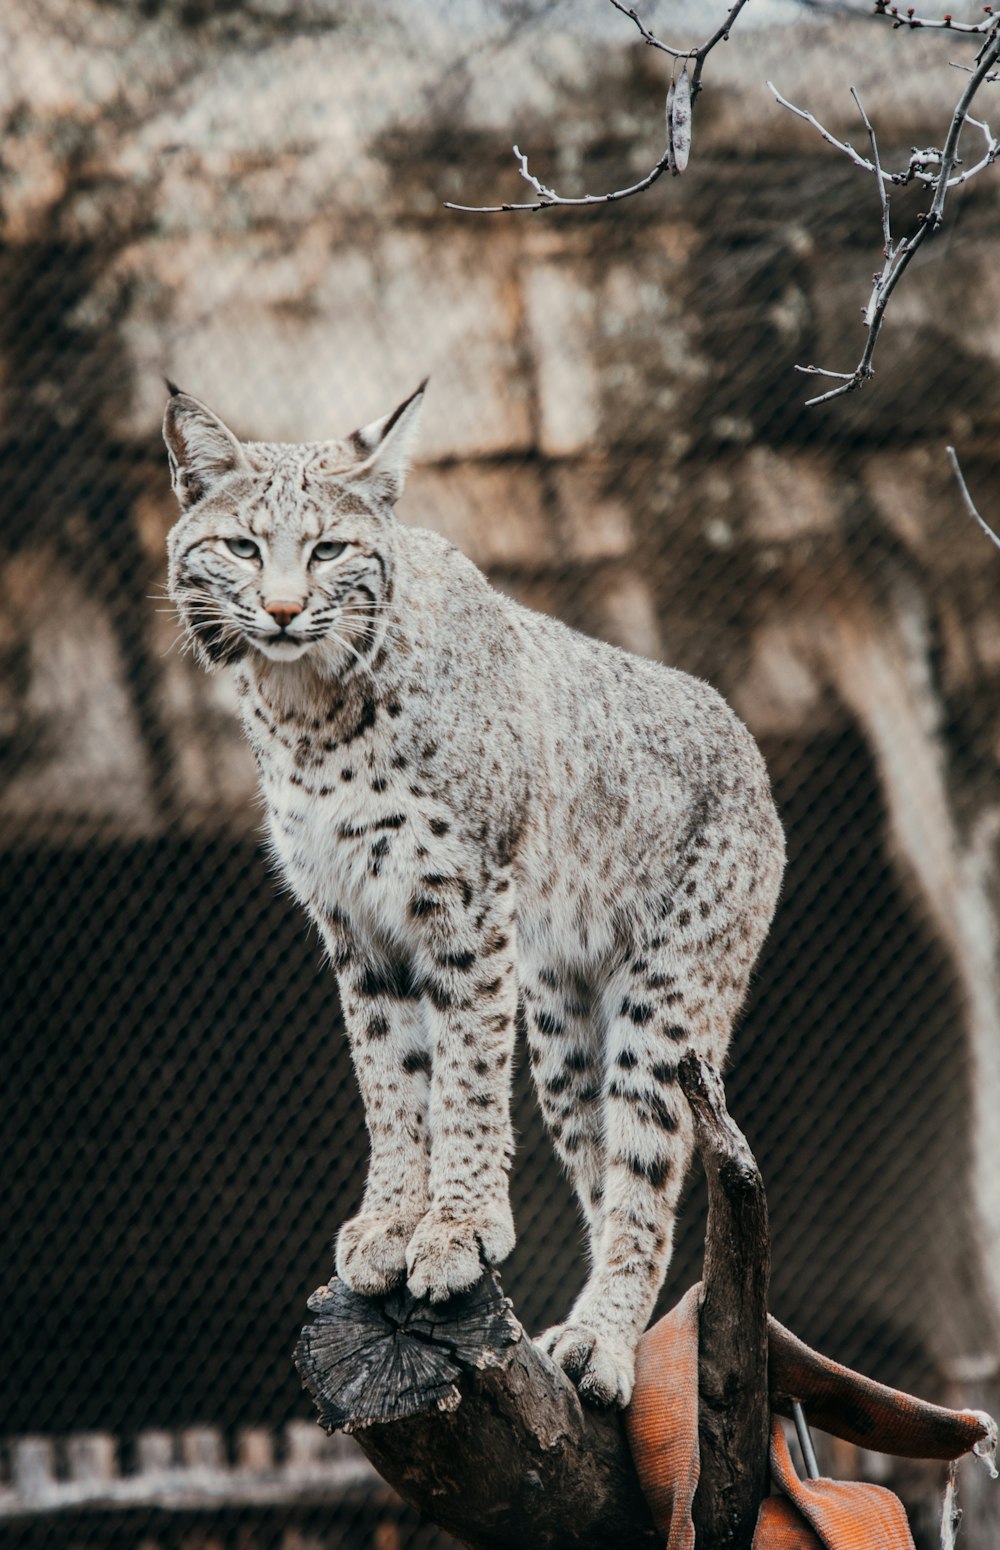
{"points": [[567, 1066], [648, 1137], [660, 1005], [565, 1044], [680, 988]]}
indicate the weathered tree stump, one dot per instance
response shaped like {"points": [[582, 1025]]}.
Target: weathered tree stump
{"points": [[470, 1422], [466, 1418], [733, 1408]]}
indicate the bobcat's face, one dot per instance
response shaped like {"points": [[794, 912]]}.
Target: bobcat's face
{"points": [[285, 551], [285, 562]]}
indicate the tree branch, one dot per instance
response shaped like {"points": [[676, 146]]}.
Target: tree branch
{"points": [[967, 498], [522, 1463], [945, 23], [733, 1407], [683, 92], [700, 54], [899, 255]]}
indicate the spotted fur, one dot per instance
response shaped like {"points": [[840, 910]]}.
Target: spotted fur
{"points": [[477, 807]]}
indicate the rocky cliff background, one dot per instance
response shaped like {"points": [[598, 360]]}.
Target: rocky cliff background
{"points": [[250, 199]]}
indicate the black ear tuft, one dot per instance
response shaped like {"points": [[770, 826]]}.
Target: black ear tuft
{"points": [[385, 447], [172, 387], [397, 414]]}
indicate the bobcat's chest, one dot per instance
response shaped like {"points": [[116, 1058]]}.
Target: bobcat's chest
{"points": [[344, 825]]}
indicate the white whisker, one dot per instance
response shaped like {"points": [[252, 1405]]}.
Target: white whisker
{"points": [[168, 649], [346, 645]]}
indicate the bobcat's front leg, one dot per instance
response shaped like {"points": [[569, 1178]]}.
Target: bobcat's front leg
{"points": [[472, 996], [390, 1048]]}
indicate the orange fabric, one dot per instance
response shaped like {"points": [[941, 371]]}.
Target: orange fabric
{"points": [[662, 1427], [662, 1420], [781, 1526], [826, 1514], [851, 1406]]}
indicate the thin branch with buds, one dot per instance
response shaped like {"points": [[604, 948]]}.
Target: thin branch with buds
{"points": [[917, 170], [899, 255], [681, 100], [967, 498], [945, 23]]}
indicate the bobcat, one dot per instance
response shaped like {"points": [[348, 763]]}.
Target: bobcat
{"points": [[476, 804]]}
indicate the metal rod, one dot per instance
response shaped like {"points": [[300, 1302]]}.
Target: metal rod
{"points": [[805, 1440]]}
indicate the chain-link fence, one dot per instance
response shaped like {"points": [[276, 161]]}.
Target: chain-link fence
{"points": [[250, 200]]}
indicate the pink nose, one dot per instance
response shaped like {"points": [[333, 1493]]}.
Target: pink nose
{"points": [[283, 612]]}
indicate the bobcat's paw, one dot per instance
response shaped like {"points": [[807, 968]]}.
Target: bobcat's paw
{"points": [[602, 1367], [371, 1251], [447, 1253]]}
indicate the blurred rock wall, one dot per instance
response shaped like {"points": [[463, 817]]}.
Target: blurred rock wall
{"points": [[614, 428]]}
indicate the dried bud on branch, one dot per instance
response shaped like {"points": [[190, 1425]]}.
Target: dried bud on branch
{"points": [[679, 122]]}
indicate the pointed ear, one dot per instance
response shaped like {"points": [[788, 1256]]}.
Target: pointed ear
{"points": [[385, 448], [200, 449]]}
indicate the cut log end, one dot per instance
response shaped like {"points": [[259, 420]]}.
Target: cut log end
{"points": [[367, 1360]]}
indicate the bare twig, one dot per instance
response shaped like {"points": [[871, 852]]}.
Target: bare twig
{"points": [[945, 23], [699, 55], [547, 197], [945, 177], [920, 160], [879, 179], [831, 139], [967, 498]]}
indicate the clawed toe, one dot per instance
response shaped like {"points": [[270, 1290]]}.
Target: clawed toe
{"points": [[602, 1367], [438, 1268], [371, 1252], [448, 1255]]}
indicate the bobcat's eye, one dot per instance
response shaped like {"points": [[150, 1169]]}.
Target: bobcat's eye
{"points": [[327, 550], [243, 548]]}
